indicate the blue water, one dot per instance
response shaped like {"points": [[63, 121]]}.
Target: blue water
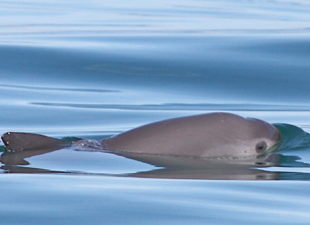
{"points": [[92, 69]]}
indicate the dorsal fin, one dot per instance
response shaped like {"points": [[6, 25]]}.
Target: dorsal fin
{"points": [[19, 141]]}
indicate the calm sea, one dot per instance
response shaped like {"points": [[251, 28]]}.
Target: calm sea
{"points": [[93, 69]]}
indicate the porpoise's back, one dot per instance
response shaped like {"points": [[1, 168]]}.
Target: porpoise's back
{"points": [[206, 135]]}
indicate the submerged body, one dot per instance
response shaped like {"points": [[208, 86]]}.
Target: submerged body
{"points": [[206, 135]]}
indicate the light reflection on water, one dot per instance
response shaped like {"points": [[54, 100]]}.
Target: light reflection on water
{"points": [[94, 69], [85, 199]]}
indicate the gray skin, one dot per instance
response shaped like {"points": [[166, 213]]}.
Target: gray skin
{"points": [[207, 135]]}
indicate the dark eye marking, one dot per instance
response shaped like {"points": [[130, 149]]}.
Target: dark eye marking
{"points": [[261, 147]]}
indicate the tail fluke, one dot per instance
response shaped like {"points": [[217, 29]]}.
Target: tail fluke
{"points": [[18, 141]]}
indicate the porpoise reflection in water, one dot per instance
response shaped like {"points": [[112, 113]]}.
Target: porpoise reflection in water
{"points": [[207, 146]]}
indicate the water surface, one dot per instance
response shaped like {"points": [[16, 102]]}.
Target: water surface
{"points": [[94, 69]]}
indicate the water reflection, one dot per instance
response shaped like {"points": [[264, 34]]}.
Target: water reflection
{"points": [[172, 167]]}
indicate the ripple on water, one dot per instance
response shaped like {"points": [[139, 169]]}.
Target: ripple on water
{"points": [[152, 201], [94, 69]]}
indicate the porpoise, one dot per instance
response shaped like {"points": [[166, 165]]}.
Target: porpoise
{"points": [[206, 135]]}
